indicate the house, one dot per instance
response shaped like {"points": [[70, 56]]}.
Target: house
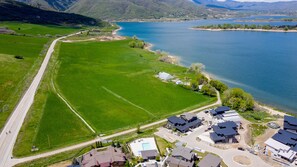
{"points": [[219, 110], [278, 149], [111, 157], [149, 154], [184, 123], [165, 76], [181, 157], [224, 132], [230, 115], [210, 161], [290, 124], [145, 148]]}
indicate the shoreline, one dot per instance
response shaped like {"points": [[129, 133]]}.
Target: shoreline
{"points": [[241, 29], [266, 108]]}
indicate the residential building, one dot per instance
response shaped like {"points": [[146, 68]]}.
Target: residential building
{"points": [[149, 154], [181, 157], [219, 110], [111, 157], [145, 148], [165, 76], [230, 115], [210, 161], [224, 132], [184, 123], [290, 124]]}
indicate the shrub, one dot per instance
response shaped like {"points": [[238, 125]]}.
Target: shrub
{"points": [[238, 99], [18, 57]]}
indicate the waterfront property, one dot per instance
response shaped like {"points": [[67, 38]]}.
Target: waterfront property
{"points": [[284, 143], [224, 132], [290, 124], [219, 110], [165, 76], [210, 160], [111, 157], [181, 157], [145, 148], [184, 123]]}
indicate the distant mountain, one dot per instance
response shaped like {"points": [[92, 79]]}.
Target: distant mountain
{"points": [[17, 11], [274, 7], [125, 9], [59, 5]]}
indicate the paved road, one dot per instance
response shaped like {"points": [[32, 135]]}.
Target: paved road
{"points": [[10, 131], [15, 161]]}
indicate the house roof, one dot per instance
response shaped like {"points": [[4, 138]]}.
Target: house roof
{"points": [[228, 131], [210, 161], [183, 152], [174, 162], [222, 109], [164, 76], [188, 116], [148, 153], [291, 120], [286, 137], [216, 137], [188, 125], [176, 120], [276, 144], [227, 124]]}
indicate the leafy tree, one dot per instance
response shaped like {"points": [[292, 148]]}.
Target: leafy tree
{"points": [[220, 86], [196, 68], [208, 90], [237, 99]]}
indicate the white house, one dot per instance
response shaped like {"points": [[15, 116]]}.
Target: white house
{"points": [[280, 150], [165, 76]]}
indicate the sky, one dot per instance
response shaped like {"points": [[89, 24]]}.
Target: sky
{"points": [[263, 0]]}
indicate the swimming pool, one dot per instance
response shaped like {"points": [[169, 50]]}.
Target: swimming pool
{"points": [[146, 146]]}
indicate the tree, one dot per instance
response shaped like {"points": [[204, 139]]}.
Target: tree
{"points": [[238, 99], [208, 90], [220, 86], [196, 68], [138, 129]]}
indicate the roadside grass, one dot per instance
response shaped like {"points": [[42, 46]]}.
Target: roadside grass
{"points": [[163, 144], [49, 123], [36, 29], [257, 116], [16, 74], [113, 79], [257, 129]]}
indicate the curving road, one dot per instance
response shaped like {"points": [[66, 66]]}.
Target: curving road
{"points": [[10, 131]]}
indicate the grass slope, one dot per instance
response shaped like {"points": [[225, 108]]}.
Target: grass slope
{"points": [[118, 85]]}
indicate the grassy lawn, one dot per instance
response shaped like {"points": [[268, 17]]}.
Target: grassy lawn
{"points": [[257, 129], [119, 86], [36, 29], [257, 116]]}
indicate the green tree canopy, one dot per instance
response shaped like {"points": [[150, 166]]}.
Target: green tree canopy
{"points": [[238, 99], [220, 86], [208, 90]]}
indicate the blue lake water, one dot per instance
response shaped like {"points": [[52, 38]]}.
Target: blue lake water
{"points": [[262, 63]]}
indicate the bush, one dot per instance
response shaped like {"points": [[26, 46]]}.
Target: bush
{"points": [[135, 43], [208, 90], [238, 99], [220, 86], [18, 57]]}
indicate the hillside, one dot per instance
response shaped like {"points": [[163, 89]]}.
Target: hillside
{"points": [[59, 5], [17, 11]]}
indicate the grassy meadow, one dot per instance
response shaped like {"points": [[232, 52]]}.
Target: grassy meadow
{"points": [[16, 74]]}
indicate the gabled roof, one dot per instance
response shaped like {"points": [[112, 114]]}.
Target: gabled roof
{"points": [[183, 152], [176, 120], [291, 120], [285, 137], [210, 161]]}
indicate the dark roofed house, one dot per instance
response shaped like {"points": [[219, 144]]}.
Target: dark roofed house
{"points": [[219, 110], [210, 161], [181, 157], [224, 132], [184, 123], [290, 124], [285, 137], [149, 154], [111, 157]]}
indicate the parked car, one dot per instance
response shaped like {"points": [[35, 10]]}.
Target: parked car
{"points": [[206, 111], [241, 149], [273, 125]]}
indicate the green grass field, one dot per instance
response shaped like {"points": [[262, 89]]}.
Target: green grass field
{"points": [[113, 86], [35, 29]]}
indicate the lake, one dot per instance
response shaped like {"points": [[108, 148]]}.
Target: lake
{"points": [[262, 63]]}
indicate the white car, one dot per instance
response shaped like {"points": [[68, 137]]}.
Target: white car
{"points": [[199, 150]]}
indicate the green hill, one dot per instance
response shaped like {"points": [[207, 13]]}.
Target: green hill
{"points": [[59, 5], [17, 11]]}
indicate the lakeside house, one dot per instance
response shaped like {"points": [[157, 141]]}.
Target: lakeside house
{"points": [[210, 160], [225, 114], [219, 110], [184, 123], [111, 157], [283, 144], [224, 132], [181, 157], [145, 148], [290, 124], [165, 76]]}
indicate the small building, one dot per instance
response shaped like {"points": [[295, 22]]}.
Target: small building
{"points": [[181, 157], [165, 76], [145, 148], [219, 110], [111, 157], [210, 161], [290, 124], [184, 123], [224, 132], [230, 115]]}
